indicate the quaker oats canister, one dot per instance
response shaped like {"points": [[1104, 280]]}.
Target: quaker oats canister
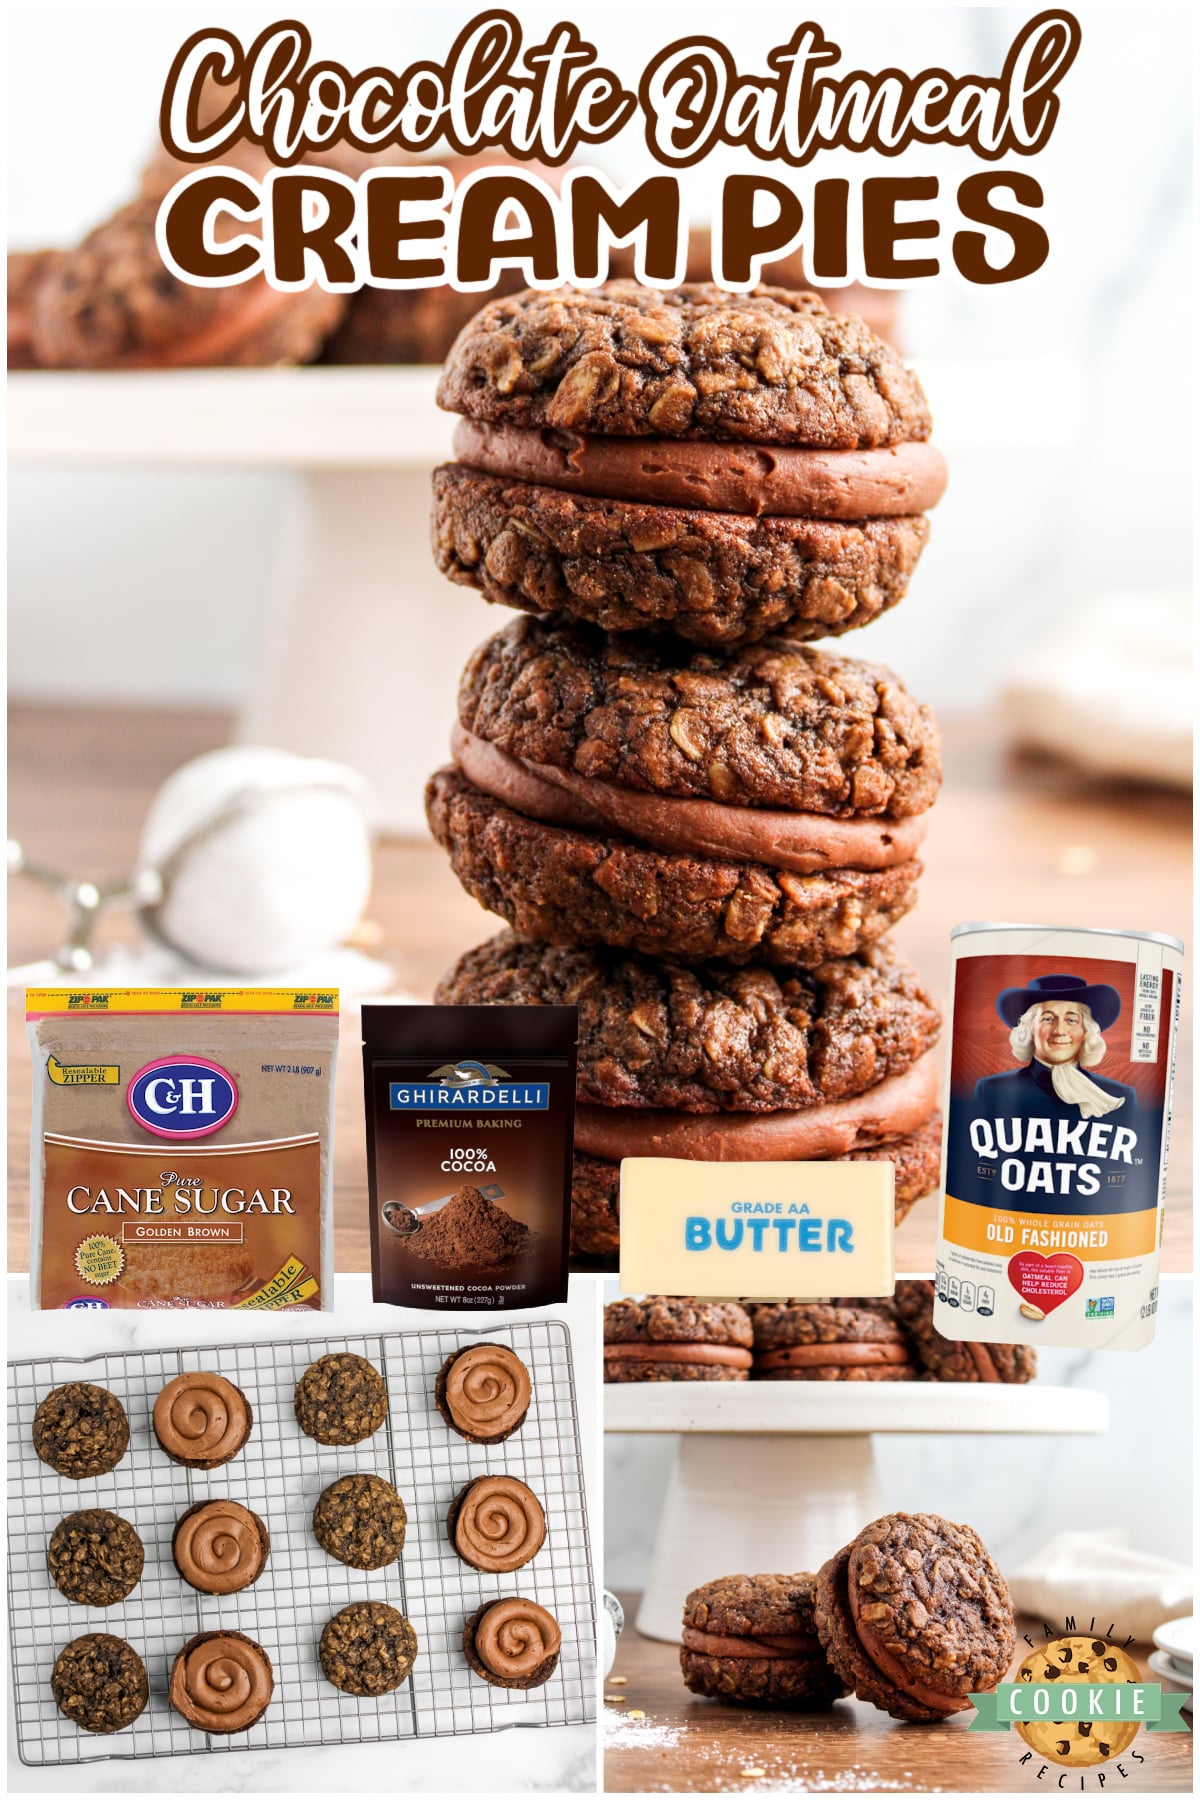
{"points": [[1058, 1118]]}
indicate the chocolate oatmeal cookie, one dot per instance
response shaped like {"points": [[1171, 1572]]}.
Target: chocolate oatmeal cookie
{"points": [[817, 1341], [100, 1683], [945, 1359], [361, 1521], [709, 1038], [110, 304], [512, 1643], [596, 1185], [95, 1557], [715, 578], [26, 271], [566, 886], [340, 1399], [752, 1640], [915, 1616], [663, 1338], [368, 1648], [772, 366], [772, 725], [80, 1430]]}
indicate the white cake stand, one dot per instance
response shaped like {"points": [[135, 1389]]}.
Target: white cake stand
{"points": [[365, 641], [779, 1475]]}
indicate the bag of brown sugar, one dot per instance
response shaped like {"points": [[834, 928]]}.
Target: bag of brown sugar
{"points": [[181, 1151]]}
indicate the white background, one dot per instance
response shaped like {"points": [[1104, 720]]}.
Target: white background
{"points": [[151, 587]]}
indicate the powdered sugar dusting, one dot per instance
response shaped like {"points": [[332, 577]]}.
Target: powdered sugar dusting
{"points": [[725, 1770]]}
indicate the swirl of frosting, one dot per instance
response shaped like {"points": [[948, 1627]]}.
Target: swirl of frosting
{"points": [[221, 1681], [201, 1418], [515, 1637], [499, 1524], [487, 1390], [220, 1547]]}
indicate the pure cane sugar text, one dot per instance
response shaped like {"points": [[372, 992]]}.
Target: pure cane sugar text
{"points": [[1058, 1120], [470, 1113], [181, 1148]]}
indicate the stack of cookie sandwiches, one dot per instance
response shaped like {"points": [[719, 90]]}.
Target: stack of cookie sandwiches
{"points": [[700, 827]]}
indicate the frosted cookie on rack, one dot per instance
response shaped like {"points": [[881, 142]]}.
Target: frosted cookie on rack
{"points": [[483, 1392], [220, 1546], [201, 1420], [221, 1681], [665, 1338], [496, 1524], [512, 1643]]}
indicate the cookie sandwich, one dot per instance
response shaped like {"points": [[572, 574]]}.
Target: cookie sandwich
{"points": [[765, 804], [945, 1359], [798, 1341], [915, 1616], [725, 1063], [721, 465], [662, 1338], [752, 1639]]}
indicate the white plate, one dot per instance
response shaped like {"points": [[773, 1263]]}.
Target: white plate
{"points": [[1167, 1670], [1177, 1638]]}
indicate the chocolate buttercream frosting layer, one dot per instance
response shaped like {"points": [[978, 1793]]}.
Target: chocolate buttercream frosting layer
{"points": [[781, 481], [513, 1643], [802, 843]]}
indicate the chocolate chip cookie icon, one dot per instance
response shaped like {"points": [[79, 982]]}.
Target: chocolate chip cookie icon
{"points": [[1079, 1743]]}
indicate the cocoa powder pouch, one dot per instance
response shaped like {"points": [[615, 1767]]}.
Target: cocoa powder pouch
{"points": [[181, 1150], [470, 1121]]}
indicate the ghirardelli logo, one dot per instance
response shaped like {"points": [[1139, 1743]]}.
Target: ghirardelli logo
{"points": [[469, 1073]]}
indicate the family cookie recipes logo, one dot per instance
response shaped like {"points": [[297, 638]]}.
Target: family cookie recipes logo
{"points": [[1078, 1704], [537, 104]]}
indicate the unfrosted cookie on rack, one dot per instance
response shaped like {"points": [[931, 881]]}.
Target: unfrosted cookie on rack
{"points": [[81, 1430], [361, 1520], [512, 1643], [752, 1639], [496, 1524], [95, 1557], [670, 1338], [368, 1648], [201, 1420], [946, 1359], [483, 1392], [220, 1546], [99, 1682], [340, 1399], [915, 1616], [221, 1681], [797, 1340]]}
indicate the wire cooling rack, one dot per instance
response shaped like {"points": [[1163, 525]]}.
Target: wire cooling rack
{"points": [[280, 1475]]}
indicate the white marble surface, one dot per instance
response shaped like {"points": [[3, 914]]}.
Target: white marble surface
{"points": [[1016, 1491], [560, 1759]]}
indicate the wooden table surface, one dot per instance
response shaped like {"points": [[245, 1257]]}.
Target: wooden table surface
{"points": [[1009, 839], [687, 1744]]}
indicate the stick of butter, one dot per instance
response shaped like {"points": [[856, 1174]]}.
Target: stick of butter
{"points": [[805, 1229]]}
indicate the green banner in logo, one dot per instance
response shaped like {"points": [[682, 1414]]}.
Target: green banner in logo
{"points": [[1028, 1702]]}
